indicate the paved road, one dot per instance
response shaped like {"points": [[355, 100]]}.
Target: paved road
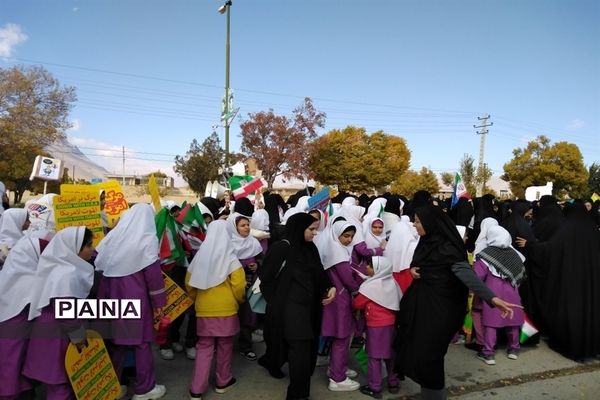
{"points": [[539, 373]]}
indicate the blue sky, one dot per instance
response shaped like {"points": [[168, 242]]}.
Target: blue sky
{"points": [[150, 74]]}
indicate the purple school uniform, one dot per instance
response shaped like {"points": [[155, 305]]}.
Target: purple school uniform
{"points": [[146, 285], [45, 360], [503, 289], [14, 339], [337, 316], [361, 254]]}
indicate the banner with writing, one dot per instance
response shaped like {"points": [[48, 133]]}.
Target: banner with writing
{"points": [[79, 209], [114, 201], [91, 372], [319, 200], [177, 301]]}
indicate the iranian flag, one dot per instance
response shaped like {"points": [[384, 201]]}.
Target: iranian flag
{"points": [[170, 249], [248, 188], [527, 330], [191, 216], [460, 190]]}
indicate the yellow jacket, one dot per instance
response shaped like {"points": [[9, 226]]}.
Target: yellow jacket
{"points": [[222, 300]]}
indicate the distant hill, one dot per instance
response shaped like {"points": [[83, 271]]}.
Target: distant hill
{"points": [[76, 161]]}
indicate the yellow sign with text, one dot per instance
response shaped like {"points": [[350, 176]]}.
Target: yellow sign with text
{"points": [[177, 302], [115, 203], [90, 371], [79, 209]]}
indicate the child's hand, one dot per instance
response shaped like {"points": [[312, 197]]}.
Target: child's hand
{"points": [[383, 244], [414, 273], [370, 271], [330, 296]]}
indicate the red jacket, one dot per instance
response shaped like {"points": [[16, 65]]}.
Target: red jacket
{"points": [[375, 315]]}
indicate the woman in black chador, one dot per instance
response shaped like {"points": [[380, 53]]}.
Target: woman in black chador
{"points": [[569, 263], [434, 306], [296, 287]]}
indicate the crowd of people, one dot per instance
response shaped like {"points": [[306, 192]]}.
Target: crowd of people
{"points": [[391, 272]]}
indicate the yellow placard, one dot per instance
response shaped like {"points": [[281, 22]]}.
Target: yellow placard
{"points": [[79, 209], [595, 197], [91, 372], [115, 203], [177, 301], [154, 194]]}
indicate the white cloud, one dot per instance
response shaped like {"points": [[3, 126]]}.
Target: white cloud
{"points": [[110, 156], [10, 36], [576, 124], [75, 125]]}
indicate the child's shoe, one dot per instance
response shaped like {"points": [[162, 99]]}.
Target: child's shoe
{"points": [[489, 360], [370, 392], [512, 354]]}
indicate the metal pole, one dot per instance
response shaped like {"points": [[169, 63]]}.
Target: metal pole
{"points": [[227, 49]]}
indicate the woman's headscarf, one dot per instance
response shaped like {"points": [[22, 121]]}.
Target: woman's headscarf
{"points": [[401, 245], [243, 247], [334, 252], [61, 272], [441, 243], [11, 226], [131, 245], [18, 277], [371, 240], [215, 260], [501, 258], [260, 220], [244, 207], [322, 219], [482, 240], [381, 288]]}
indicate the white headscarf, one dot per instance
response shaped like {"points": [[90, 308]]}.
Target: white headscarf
{"points": [[349, 201], [11, 226], [481, 242], [131, 245], [353, 214], [381, 288], [376, 207], [61, 272], [18, 276], [322, 219], [243, 247], [498, 236], [373, 241], [260, 220], [215, 260], [334, 252], [401, 245], [301, 206]]}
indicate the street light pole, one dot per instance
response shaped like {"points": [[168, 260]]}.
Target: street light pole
{"points": [[226, 8]]}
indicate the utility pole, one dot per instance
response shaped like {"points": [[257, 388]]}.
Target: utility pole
{"points": [[123, 175], [484, 131]]}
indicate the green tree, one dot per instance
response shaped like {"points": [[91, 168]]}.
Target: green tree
{"points": [[278, 143], [541, 162], [594, 179], [201, 163], [447, 178], [34, 111], [356, 161], [467, 173], [411, 181], [482, 176]]}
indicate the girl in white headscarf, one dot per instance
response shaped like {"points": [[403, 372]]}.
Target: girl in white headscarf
{"points": [[338, 322], [259, 228], [248, 250], [379, 297], [128, 259], [501, 267], [12, 224], [481, 242], [399, 250], [63, 271], [16, 280], [216, 282]]}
